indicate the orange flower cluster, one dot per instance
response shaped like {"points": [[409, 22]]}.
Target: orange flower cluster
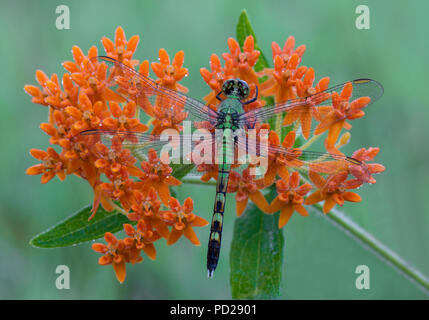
{"points": [[288, 80], [86, 102]]}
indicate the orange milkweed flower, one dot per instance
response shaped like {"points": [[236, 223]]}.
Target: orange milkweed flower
{"points": [[288, 49], [241, 63], [364, 173], [215, 78], [121, 50], [51, 93], [115, 161], [170, 74], [290, 198], [122, 190], [53, 164], [281, 80], [333, 190], [167, 118], [169, 114], [158, 175], [247, 188], [146, 208], [125, 120], [278, 162], [147, 205], [117, 254], [142, 238], [182, 220], [86, 115], [90, 75], [305, 113], [342, 109]]}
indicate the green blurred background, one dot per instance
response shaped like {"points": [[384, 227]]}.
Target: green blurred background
{"points": [[320, 259]]}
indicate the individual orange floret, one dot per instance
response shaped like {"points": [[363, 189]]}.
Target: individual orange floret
{"points": [[281, 80], [59, 128], [305, 112], [122, 190], [241, 64], [51, 93], [89, 75], [125, 119], [290, 198], [182, 221], [147, 205], [364, 172], [342, 109], [121, 50], [142, 238], [167, 116], [146, 208], [215, 78], [53, 164], [117, 253], [246, 187], [86, 114], [157, 174], [333, 190], [288, 49], [170, 74], [279, 161], [115, 161]]}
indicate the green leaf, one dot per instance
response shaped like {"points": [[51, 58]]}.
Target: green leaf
{"points": [[77, 229], [181, 170], [244, 29], [256, 255]]}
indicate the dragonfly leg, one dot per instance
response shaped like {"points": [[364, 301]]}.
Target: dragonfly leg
{"points": [[218, 96], [253, 99]]}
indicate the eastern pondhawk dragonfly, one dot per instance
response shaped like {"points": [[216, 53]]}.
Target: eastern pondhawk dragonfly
{"points": [[230, 117]]}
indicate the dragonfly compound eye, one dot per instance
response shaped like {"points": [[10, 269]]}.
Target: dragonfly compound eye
{"points": [[243, 89], [236, 88]]}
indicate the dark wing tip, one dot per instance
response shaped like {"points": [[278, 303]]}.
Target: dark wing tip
{"points": [[354, 161], [378, 88], [95, 131], [87, 132], [106, 58]]}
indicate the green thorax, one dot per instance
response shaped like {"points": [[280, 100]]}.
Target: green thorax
{"points": [[229, 109]]}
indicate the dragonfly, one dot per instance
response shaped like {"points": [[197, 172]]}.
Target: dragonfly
{"points": [[230, 117]]}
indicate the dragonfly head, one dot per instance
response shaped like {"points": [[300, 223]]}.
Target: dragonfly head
{"points": [[236, 88]]}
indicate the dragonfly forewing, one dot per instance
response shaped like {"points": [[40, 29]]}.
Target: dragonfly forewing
{"points": [[126, 84], [318, 104]]}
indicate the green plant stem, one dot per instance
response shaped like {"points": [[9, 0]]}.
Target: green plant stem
{"points": [[345, 223], [310, 142], [341, 221], [119, 209]]}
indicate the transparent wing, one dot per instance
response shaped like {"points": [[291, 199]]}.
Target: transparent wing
{"points": [[296, 159], [178, 146], [321, 101], [131, 85], [189, 154]]}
